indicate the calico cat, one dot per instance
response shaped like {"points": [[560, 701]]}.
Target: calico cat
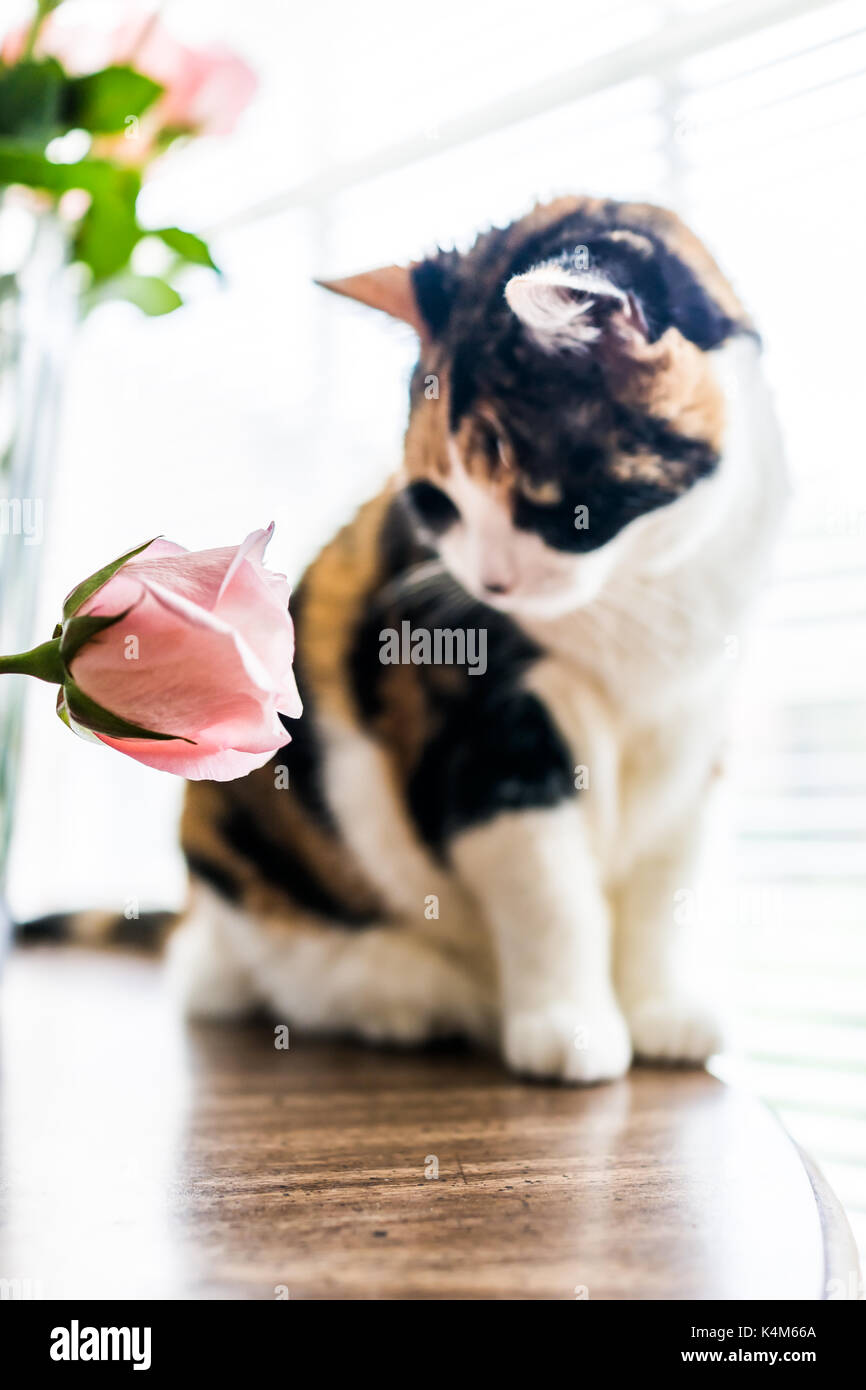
{"points": [[494, 847]]}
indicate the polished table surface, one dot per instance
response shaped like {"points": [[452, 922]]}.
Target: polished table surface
{"points": [[140, 1158]]}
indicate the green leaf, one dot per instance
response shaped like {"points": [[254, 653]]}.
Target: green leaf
{"points": [[88, 587], [102, 102], [187, 245], [107, 236], [64, 715], [24, 162], [21, 163], [30, 99], [90, 715], [77, 631], [109, 230], [151, 294]]}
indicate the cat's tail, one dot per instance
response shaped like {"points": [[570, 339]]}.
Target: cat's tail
{"points": [[145, 932]]}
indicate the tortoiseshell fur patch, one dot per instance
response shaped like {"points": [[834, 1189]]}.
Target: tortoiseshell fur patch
{"points": [[623, 432]]}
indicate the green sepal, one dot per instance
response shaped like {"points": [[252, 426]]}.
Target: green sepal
{"points": [[88, 587], [77, 631], [86, 712], [64, 715]]}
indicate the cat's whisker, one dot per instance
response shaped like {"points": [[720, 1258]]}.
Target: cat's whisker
{"points": [[427, 572]]}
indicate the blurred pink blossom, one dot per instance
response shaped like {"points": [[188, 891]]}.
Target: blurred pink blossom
{"points": [[79, 49], [206, 89]]}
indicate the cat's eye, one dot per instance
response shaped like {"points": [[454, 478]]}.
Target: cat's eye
{"points": [[491, 442], [544, 493], [433, 507], [488, 439]]}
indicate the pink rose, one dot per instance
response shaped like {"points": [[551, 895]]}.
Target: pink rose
{"points": [[77, 48], [206, 89], [203, 653]]}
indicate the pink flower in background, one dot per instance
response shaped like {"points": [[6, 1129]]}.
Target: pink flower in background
{"points": [[204, 653], [206, 89], [79, 49]]}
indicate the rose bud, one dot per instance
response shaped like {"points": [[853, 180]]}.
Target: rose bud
{"points": [[182, 660]]}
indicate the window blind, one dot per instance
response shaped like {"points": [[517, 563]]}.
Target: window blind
{"points": [[772, 148]]}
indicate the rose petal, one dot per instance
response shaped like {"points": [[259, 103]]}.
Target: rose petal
{"points": [[187, 671], [211, 661], [213, 765]]}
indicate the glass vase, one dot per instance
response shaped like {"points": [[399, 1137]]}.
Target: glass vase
{"points": [[38, 311]]}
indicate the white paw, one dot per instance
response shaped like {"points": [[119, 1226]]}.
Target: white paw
{"points": [[669, 1028], [429, 998], [567, 1043], [202, 979], [397, 1024]]}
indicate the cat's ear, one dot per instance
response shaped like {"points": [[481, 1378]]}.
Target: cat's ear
{"points": [[390, 288], [566, 308], [421, 294]]}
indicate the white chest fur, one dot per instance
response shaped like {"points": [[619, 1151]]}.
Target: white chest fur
{"points": [[638, 680]]}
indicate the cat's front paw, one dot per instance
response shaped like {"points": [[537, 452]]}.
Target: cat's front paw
{"points": [[566, 1043], [671, 1028]]}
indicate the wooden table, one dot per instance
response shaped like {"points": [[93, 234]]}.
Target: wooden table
{"points": [[142, 1159]]}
